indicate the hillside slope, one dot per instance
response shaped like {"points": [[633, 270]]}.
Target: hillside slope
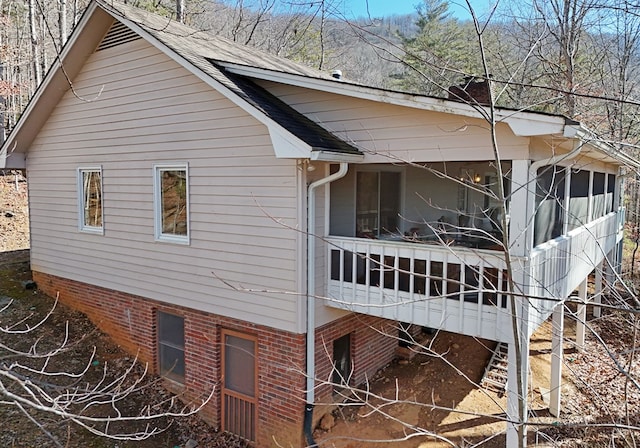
{"points": [[14, 213]]}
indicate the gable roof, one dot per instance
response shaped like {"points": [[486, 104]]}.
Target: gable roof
{"points": [[293, 134], [231, 68], [203, 50]]}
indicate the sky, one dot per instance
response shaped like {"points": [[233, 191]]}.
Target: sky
{"points": [[378, 8]]}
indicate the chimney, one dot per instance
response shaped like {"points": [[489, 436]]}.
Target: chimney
{"points": [[472, 90], [337, 74]]}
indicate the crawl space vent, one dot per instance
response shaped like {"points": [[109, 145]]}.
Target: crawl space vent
{"points": [[118, 34]]}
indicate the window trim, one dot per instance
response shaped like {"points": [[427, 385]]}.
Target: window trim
{"points": [[157, 203], [82, 227], [171, 376]]}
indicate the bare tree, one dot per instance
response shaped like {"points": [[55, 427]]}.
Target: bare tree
{"points": [[62, 22], [35, 49], [98, 399], [180, 6]]}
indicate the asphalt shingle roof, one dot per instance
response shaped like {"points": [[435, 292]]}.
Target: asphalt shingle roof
{"points": [[204, 50]]}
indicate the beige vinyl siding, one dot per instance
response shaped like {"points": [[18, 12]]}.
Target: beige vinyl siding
{"points": [[391, 133], [145, 109], [323, 314]]}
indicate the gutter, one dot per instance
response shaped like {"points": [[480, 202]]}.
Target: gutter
{"points": [[553, 160], [311, 301]]}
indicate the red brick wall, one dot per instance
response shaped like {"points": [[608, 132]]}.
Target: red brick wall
{"points": [[373, 345], [131, 322]]}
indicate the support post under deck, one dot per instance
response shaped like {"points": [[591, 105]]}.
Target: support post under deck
{"points": [[597, 297], [557, 330], [581, 315], [515, 399]]}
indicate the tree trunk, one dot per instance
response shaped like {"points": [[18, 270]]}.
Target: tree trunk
{"points": [[62, 21], [35, 54], [180, 10]]}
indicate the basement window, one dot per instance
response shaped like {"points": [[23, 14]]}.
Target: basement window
{"points": [[171, 346], [342, 363], [90, 200], [171, 202]]}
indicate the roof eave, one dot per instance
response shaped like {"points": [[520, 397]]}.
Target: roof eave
{"points": [[286, 145], [577, 130], [522, 123], [11, 160], [328, 155], [55, 84]]}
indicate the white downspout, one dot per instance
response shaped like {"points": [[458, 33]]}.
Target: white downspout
{"points": [[311, 286]]}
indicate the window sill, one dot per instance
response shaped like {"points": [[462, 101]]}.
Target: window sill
{"points": [[173, 239], [93, 230]]}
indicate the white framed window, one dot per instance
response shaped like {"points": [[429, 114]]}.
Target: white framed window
{"points": [[171, 202], [90, 200]]}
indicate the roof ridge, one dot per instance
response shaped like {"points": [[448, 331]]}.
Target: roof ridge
{"points": [[242, 54]]}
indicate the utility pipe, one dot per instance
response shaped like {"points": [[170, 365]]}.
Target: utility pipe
{"points": [[311, 302]]}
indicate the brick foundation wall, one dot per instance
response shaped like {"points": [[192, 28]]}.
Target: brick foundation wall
{"points": [[373, 346], [131, 322]]}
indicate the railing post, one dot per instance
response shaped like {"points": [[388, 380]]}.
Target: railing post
{"points": [[516, 400]]}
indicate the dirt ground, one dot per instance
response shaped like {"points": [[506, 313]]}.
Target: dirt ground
{"points": [[430, 401], [17, 430], [14, 213], [439, 394], [597, 398]]}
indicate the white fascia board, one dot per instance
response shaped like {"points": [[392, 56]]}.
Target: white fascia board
{"points": [[327, 155], [598, 148], [527, 127], [55, 69], [275, 129], [287, 146], [607, 150], [523, 124]]}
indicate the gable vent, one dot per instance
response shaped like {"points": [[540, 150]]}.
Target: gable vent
{"points": [[118, 34]]}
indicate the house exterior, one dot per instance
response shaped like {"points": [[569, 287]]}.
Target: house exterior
{"points": [[244, 223]]}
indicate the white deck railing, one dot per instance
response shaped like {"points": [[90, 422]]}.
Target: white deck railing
{"points": [[455, 288], [447, 287], [557, 267]]}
